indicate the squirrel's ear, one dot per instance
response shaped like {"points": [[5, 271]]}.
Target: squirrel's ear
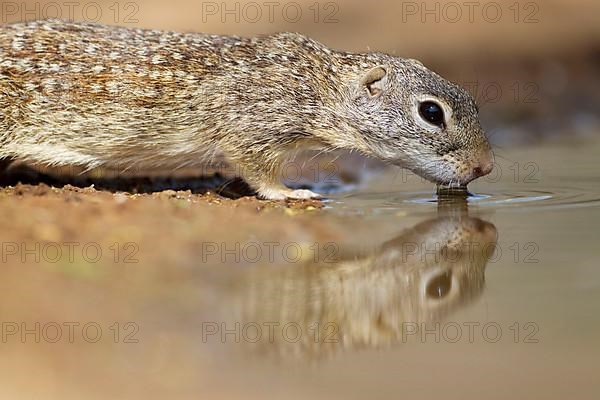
{"points": [[374, 81]]}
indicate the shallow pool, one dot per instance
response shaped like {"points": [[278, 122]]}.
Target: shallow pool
{"points": [[389, 291]]}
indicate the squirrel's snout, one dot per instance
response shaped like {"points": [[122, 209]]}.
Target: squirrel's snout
{"points": [[483, 169], [485, 166]]}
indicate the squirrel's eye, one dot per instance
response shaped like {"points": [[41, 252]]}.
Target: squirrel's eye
{"points": [[432, 113]]}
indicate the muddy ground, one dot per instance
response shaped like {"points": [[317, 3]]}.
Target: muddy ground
{"points": [[163, 226]]}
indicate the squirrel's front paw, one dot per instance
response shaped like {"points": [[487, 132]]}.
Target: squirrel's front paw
{"points": [[284, 193], [303, 195]]}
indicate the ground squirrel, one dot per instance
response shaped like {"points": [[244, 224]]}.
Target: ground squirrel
{"points": [[92, 96]]}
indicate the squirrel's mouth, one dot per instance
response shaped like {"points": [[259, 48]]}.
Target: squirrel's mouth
{"points": [[451, 175], [461, 180]]}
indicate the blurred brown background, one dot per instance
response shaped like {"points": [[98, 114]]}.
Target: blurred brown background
{"points": [[425, 29]]}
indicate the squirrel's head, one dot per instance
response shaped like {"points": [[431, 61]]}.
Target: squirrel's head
{"points": [[416, 119]]}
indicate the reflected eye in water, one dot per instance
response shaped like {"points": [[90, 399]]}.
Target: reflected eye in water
{"points": [[439, 286]]}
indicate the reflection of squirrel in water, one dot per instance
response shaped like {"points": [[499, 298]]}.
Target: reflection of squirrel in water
{"points": [[421, 276], [86, 95]]}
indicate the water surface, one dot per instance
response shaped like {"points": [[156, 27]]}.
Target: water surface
{"points": [[388, 292], [494, 295]]}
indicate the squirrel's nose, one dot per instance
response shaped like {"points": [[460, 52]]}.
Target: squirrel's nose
{"points": [[485, 167]]}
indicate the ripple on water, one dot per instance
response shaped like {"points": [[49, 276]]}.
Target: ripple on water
{"points": [[557, 197]]}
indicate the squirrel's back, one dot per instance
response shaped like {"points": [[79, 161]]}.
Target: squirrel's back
{"points": [[89, 94], [94, 62]]}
